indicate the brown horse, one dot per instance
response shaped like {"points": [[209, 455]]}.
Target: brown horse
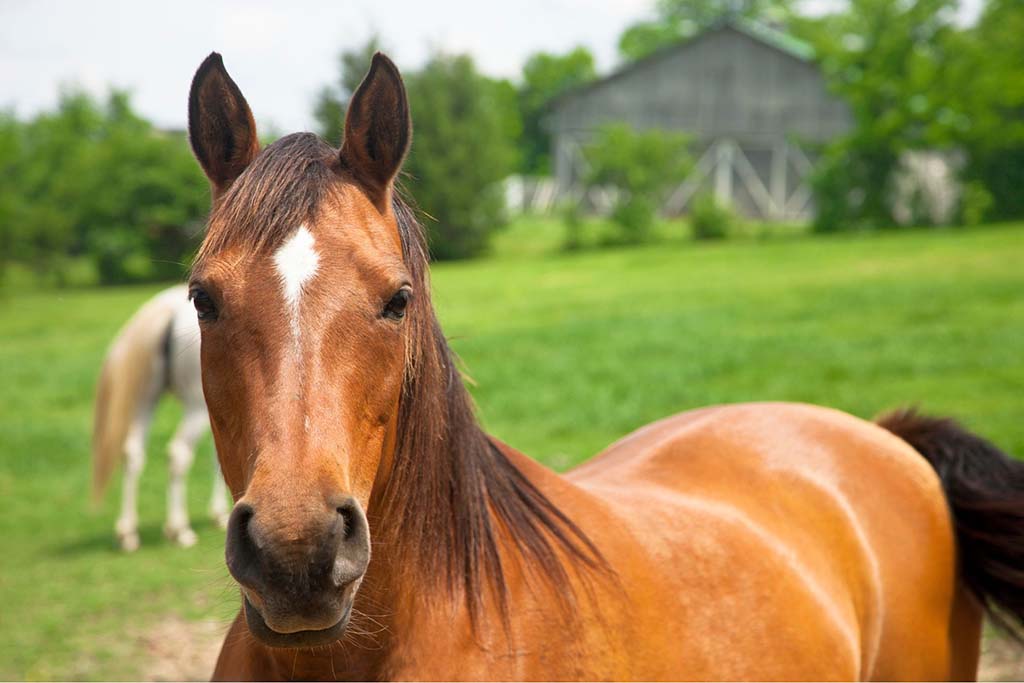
{"points": [[766, 541]]}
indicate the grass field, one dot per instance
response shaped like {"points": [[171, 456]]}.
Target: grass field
{"points": [[568, 352]]}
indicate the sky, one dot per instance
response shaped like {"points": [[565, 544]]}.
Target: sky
{"points": [[281, 53]]}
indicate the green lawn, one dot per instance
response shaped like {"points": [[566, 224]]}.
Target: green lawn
{"points": [[568, 352]]}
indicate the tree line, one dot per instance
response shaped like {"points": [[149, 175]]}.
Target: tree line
{"points": [[93, 181]]}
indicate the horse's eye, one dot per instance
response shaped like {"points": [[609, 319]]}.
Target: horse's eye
{"points": [[205, 310], [395, 308]]}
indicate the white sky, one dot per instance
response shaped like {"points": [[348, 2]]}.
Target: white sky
{"points": [[280, 53]]}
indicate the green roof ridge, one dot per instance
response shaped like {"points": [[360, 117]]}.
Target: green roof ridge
{"points": [[780, 39]]}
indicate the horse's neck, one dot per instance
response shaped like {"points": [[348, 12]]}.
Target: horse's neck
{"points": [[414, 626]]}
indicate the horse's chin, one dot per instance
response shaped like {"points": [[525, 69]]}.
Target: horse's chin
{"points": [[297, 639]]}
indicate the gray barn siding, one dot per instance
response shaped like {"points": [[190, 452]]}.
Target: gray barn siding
{"points": [[721, 85]]}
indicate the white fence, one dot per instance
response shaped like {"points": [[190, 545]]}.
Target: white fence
{"points": [[924, 188]]}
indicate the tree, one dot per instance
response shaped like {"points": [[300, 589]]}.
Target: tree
{"points": [[545, 76], [464, 143], [678, 19], [886, 59], [988, 88], [332, 101], [144, 209], [10, 202], [95, 180], [641, 167]]}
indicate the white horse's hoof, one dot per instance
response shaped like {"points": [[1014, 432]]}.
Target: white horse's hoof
{"points": [[129, 541], [185, 538]]}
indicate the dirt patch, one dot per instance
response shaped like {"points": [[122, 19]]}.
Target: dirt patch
{"points": [[179, 650]]}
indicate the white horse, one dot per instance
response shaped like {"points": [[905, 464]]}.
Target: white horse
{"points": [[156, 351]]}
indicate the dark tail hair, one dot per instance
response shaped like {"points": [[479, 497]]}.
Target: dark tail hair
{"points": [[985, 490]]}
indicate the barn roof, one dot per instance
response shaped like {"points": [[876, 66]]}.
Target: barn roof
{"points": [[762, 33]]}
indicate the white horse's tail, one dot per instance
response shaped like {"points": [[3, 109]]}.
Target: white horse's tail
{"points": [[132, 367]]}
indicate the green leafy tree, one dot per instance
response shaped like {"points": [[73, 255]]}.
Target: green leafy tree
{"points": [[10, 156], [45, 185], [988, 87], [545, 76], [95, 180], [641, 167], [678, 19], [886, 59], [332, 100], [464, 144]]}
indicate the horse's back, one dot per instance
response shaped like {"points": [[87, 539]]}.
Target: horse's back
{"points": [[792, 529], [183, 351]]}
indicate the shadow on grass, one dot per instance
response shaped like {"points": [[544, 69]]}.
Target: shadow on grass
{"points": [[151, 537]]}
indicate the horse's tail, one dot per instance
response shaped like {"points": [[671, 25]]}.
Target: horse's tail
{"points": [[985, 490], [132, 369]]}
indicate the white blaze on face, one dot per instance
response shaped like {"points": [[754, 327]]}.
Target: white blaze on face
{"points": [[296, 262]]}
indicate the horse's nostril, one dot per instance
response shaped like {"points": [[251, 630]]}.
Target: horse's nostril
{"points": [[347, 514], [243, 512], [239, 549], [238, 524], [352, 552]]}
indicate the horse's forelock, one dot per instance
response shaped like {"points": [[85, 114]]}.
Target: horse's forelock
{"points": [[283, 188]]}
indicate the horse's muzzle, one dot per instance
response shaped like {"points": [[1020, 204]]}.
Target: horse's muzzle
{"points": [[299, 578]]}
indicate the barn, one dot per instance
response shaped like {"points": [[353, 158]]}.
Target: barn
{"points": [[752, 99]]}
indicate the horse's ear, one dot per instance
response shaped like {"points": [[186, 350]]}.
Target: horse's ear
{"points": [[220, 125], [378, 130]]}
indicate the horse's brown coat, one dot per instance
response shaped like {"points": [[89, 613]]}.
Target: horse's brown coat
{"points": [[760, 541]]}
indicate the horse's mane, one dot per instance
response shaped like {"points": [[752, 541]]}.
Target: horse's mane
{"points": [[451, 487], [451, 492]]}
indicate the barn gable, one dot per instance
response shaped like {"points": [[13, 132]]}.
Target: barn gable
{"points": [[753, 100]]}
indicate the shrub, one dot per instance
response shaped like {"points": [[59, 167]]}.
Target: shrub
{"points": [[710, 219], [634, 214], [975, 203], [641, 167], [1000, 174], [573, 220]]}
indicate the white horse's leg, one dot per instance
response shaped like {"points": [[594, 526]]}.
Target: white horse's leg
{"points": [[182, 452], [127, 526], [219, 500]]}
